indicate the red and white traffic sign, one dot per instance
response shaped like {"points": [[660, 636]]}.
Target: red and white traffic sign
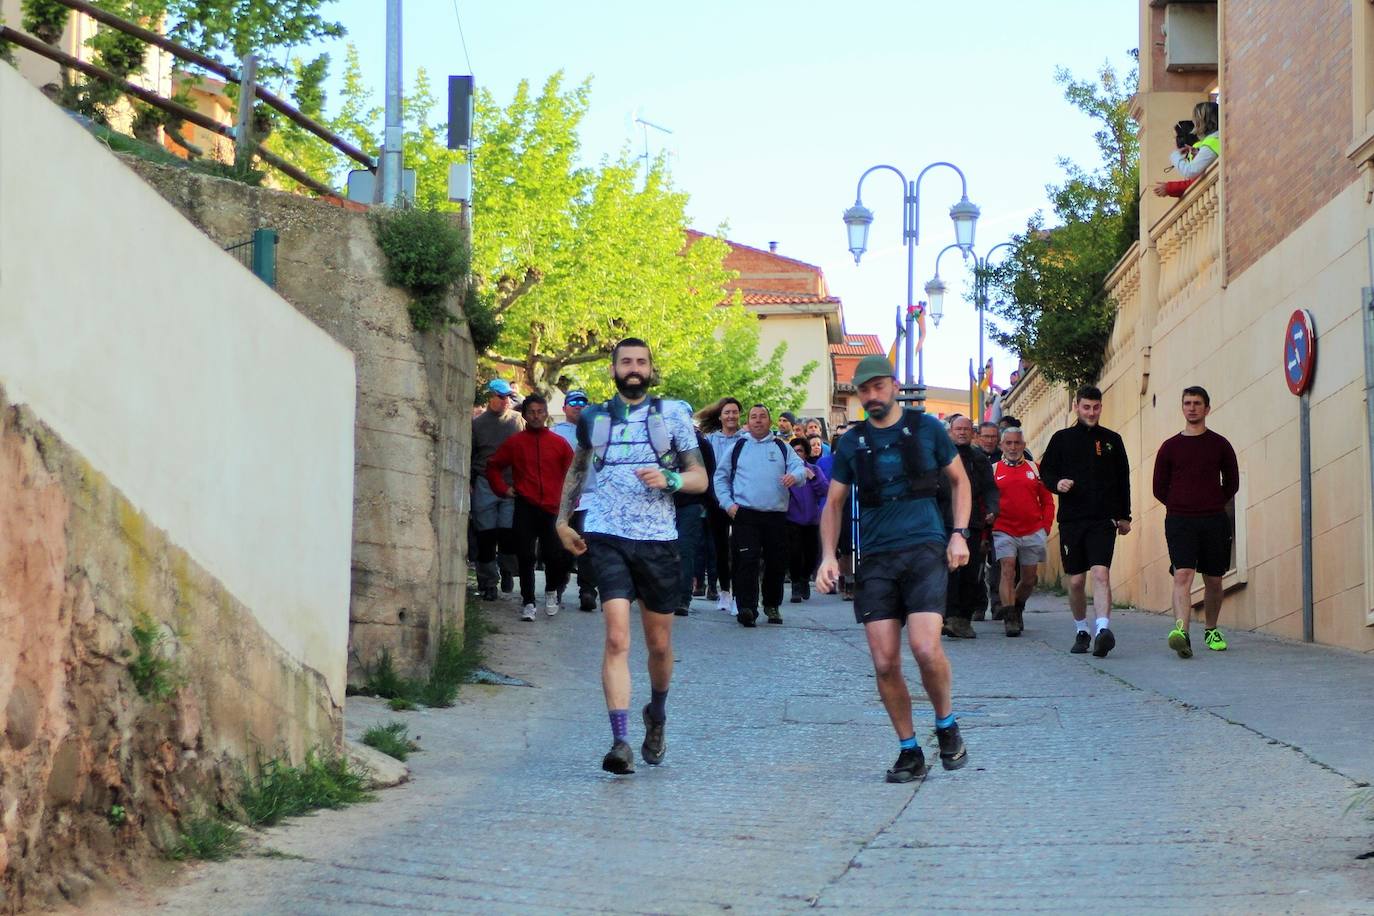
{"points": [[1299, 351]]}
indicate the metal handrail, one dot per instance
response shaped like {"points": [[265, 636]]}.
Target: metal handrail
{"points": [[152, 98], [229, 73]]}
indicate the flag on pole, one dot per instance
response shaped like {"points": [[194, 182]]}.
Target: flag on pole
{"points": [[985, 382]]}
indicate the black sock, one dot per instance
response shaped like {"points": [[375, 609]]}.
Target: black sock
{"points": [[658, 700]]}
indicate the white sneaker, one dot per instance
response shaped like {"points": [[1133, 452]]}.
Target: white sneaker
{"points": [[725, 602], [553, 603], [527, 613]]}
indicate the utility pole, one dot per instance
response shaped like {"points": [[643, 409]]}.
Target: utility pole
{"points": [[392, 150]]}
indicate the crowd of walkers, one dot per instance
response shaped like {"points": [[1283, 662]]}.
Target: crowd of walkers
{"points": [[642, 500]]}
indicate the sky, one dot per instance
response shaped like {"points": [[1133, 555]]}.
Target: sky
{"points": [[776, 108]]}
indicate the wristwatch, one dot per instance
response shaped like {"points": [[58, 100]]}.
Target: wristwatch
{"points": [[963, 533]]}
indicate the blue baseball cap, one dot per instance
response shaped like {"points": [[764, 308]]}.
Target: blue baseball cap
{"points": [[499, 386], [576, 398]]}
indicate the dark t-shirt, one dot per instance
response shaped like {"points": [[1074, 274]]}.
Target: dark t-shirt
{"points": [[897, 523], [1196, 475]]}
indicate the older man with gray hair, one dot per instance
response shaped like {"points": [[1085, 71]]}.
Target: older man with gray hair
{"points": [[1022, 527]]}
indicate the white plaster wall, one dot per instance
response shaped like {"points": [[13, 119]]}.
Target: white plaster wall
{"points": [[220, 412], [806, 341]]}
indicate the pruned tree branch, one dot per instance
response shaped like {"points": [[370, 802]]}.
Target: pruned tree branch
{"points": [[508, 290]]}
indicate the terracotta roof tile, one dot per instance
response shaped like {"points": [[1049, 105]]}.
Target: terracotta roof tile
{"points": [[858, 345], [761, 298]]}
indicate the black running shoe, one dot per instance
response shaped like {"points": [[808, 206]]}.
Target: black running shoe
{"points": [[910, 766], [586, 599], [681, 612], [712, 594], [953, 754], [747, 617], [489, 593], [1103, 643], [655, 745], [773, 614], [1081, 642], [619, 759]]}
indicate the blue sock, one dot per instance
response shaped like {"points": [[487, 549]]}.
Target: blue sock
{"points": [[620, 723], [946, 722], [908, 744], [658, 705]]}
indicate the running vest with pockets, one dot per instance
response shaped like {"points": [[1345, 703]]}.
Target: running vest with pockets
{"points": [[614, 412], [739, 447], [921, 483]]}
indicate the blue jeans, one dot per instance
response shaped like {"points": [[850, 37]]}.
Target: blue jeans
{"points": [[690, 526]]}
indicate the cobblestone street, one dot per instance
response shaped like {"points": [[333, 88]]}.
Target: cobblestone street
{"points": [[1135, 783]]}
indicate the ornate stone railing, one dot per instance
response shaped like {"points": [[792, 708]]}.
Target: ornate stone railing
{"points": [[1123, 288], [1042, 408], [1188, 242]]}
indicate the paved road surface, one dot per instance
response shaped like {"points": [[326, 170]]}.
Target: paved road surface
{"points": [[1130, 784]]}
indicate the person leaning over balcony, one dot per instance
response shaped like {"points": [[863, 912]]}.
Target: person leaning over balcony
{"points": [[1192, 161]]}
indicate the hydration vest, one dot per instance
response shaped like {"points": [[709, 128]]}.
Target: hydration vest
{"points": [[614, 412], [921, 482]]}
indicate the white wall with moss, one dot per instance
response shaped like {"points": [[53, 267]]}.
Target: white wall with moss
{"points": [[222, 413]]}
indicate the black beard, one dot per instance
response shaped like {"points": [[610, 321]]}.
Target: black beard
{"points": [[629, 389], [877, 410]]}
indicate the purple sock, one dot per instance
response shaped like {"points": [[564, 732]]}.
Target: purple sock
{"points": [[620, 723]]}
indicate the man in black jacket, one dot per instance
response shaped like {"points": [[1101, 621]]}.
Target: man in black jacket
{"points": [[1086, 466], [965, 594]]}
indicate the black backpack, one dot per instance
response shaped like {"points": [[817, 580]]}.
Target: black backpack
{"points": [[739, 447], [921, 482]]}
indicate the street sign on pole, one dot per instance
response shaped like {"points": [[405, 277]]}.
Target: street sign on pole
{"points": [[1299, 365], [1299, 351]]}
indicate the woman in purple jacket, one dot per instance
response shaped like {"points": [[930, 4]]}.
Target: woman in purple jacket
{"points": [[804, 522]]}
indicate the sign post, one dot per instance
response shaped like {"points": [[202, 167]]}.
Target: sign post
{"points": [[1299, 364]]}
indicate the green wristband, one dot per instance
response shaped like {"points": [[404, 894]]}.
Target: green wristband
{"points": [[673, 480]]}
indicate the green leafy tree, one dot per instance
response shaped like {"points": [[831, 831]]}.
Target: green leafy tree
{"points": [[1053, 307]]}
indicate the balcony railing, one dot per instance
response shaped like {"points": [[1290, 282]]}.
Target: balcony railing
{"points": [[1123, 288], [1188, 242]]}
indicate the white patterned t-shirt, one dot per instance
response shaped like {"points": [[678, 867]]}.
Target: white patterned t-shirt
{"points": [[621, 505]]}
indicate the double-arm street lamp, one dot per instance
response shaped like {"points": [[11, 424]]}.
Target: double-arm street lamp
{"points": [[935, 294], [858, 219]]}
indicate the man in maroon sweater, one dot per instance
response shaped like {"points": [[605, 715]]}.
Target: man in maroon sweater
{"points": [[1195, 476], [539, 459]]}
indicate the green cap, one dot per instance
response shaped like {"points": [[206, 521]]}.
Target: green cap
{"points": [[871, 367]]}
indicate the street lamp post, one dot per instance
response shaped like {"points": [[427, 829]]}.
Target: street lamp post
{"points": [[858, 219], [935, 292]]}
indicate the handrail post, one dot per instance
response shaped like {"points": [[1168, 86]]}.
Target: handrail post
{"points": [[243, 127], [265, 255]]}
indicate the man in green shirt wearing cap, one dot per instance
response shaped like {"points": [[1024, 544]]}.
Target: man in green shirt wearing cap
{"points": [[894, 459]]}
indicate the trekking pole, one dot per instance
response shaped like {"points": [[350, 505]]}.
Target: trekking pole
{"points": [[854, 523]]}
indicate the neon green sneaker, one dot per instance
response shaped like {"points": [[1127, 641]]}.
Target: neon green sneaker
{"points": [[1179, 640], [1215, 641]]}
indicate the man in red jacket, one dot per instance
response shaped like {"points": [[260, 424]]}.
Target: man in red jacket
{"points": [[1023, 524], [539, 459]]}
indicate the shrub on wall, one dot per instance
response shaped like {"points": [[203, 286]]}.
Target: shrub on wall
{"points": [[426, 255]]}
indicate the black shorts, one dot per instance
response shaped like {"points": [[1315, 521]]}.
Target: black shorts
{"points": [[895, 583], [1202, 543], [646, 571], [1083, 545]]}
